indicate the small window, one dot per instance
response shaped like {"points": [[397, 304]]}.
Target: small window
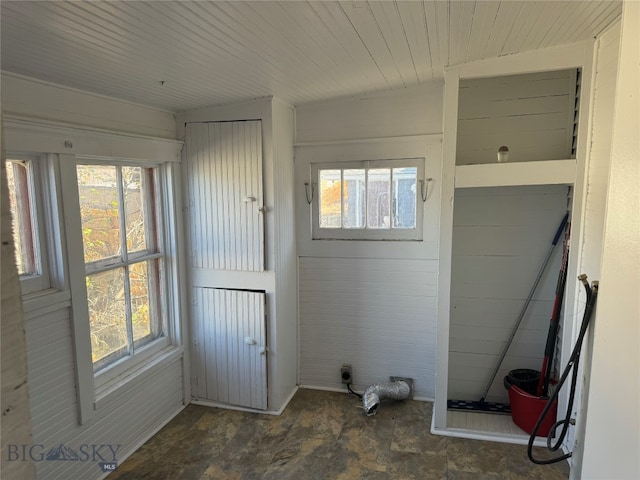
{"points": [[123, 259], [24, 204], [372, 200]]}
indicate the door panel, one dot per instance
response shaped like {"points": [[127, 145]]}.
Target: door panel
{"points": [[229, 361], [224, 179]]}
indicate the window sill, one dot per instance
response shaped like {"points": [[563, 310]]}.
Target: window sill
{"points": [[167, 355]]}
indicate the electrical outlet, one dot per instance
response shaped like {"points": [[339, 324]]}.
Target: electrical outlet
{"points": [[346, 374]]}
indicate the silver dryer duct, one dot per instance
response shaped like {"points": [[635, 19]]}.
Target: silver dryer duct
{"points": [[398, 390]]}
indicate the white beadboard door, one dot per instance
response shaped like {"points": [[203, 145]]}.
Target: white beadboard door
{"points": [[225, 194], [229, 361], [223, 178]]}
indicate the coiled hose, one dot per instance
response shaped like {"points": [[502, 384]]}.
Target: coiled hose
{"points": [[574, 360]]}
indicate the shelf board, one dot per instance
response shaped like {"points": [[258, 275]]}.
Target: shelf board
{"points": [[548, 172]]}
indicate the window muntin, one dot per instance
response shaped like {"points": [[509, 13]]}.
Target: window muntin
{"points": [[123, 259], [368, 200]]}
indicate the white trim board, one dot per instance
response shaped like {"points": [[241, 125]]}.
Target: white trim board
{"points": [[225, 406], [27, 135], [548, 172], [430, 137]]}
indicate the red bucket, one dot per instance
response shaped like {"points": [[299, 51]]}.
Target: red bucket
{"points": [[526, 409]]}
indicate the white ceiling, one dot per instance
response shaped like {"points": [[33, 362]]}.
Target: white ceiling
{"points": [[178, 55]]}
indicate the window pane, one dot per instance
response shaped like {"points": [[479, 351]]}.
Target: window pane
{"points": [[97, 187], [404, 197], [353, 198], [378, 213], [140, 307], [330, 198], [133, 184], [107, 316], [18, 180]]}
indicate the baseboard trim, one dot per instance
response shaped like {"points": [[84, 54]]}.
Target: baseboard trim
{"points": [[226, 406], [344, 390]]}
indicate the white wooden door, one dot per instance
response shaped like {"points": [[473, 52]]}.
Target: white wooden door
{"points": [[224, 181], [223, 178], [229, 361]]}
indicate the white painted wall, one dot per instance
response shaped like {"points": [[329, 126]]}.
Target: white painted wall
{"points": [[46, 101], [606, 69], [411, 111], [371, 304], [531, 113], [612, 439], [278, 279], [500, 238], [14, 401], [128, 415], [286, 311]]}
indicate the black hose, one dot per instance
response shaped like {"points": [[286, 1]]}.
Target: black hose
{"points": [[574, 360]]}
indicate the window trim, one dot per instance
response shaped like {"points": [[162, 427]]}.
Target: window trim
{"points": [[367, 234], [38, 189], [94, 386], [155, 251]]}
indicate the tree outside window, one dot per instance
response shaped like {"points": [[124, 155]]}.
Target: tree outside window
{"points": [[122, 258]]}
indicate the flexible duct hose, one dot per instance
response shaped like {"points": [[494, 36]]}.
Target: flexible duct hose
{"points": [[371, 397]]}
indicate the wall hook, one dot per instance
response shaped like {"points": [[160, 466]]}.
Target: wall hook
{"points": [[309, 191], [424, 188]]}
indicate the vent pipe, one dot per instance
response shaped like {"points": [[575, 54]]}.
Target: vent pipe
{"points": [[398, 390]]}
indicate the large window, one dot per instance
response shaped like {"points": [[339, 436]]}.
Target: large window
{"points": [[26, 212], [123, 258], [372, 200]]}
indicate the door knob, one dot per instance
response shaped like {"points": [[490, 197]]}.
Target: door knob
{"points": [[249, 341]]}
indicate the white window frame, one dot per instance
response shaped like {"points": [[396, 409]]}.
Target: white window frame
{"points": [[58, 145], [38, 189], [364, 233], [111, 372], [95, 386], [107, 371]]}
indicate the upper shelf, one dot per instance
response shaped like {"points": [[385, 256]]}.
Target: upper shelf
{"points": [[548, 172]]}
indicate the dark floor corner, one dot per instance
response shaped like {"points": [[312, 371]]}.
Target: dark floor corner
{"points": [[323, 435]]}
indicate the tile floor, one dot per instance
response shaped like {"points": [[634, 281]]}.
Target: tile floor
{"points": [[324, 435]]}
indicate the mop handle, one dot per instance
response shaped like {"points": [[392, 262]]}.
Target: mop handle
{"points": [[526, 303]]}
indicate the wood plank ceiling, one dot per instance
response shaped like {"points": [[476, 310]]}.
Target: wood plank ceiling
{"points": [[178, 55]]}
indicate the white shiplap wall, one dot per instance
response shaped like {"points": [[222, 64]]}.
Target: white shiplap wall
{"points": [[500, 237], [532, 114], [370, 304], [127, 417], [29, 97], [413, 111], [376, 314], [130, 414]]}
